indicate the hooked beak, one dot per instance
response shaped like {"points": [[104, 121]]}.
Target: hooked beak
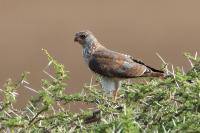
{"points": [[75, 39]]}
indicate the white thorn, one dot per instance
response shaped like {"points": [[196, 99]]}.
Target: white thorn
{"points": [[183, 70], [15, 94], [54, 112], [30, 89], [164, 128], [196, 54], [24, 81], [190, 63], [31, 105], [7, 114], [91, 82], [174, 122], [177, 84], [173, 72], [14, 112], [49, 64], [166, 68], [31, 111], [161, 58], [49, 75]]}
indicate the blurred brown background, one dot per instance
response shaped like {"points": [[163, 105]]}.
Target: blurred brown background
{"points": [[137, 27]]}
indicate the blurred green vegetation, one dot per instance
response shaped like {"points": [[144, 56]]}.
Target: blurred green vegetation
{"points": [[169, 105]]}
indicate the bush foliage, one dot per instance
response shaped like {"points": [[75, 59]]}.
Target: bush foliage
{"points": [[169, 105]]}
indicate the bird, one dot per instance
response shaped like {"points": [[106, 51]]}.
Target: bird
{"points": [[111, 66]]}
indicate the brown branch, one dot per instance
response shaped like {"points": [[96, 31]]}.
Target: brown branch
{"points": [[41, 111]]}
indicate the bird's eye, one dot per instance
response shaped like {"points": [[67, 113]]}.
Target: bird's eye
{"points": [[83, 36]]}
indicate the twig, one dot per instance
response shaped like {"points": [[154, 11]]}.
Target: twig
{"points": [[41, 111]]}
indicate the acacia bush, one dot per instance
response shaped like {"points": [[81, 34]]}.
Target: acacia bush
{"points": [[169, 105]]}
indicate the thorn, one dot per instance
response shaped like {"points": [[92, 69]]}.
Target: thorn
{"points": [[190, 63], [173, 72], [49, 75], [30, 111], [164, 128], [91, 82], [31, 105], [146, 81], [24, 81], [177, 84], [7, 114], [82, 92], [15, 93], [161, 58], [196, 54], [183, 70], [48, 65], [1, 90], [45, 89], [14, 112], [174, 122], [31, 89], [166, 64], [54, 112]]}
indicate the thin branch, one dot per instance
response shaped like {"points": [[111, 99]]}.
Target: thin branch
{"points": [[41, 111]]}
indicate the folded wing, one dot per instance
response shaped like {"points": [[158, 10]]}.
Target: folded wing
{"points": [[115, 65]]}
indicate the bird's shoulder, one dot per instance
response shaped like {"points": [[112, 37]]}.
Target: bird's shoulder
{"points": [[106, 53], [103, 52]]}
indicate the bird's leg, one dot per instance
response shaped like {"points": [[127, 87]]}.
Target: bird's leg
{"points": [[115, 92], [115, 95]]}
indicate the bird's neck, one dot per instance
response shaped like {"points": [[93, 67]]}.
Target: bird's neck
{"points": [[90, 40]]}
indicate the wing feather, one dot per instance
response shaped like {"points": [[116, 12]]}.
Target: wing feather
{"points": [[112, 64]]}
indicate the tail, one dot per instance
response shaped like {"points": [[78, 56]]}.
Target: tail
{"points": [[152, 72]]}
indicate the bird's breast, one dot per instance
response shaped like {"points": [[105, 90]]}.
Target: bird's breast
{"points": [[86, 54]]}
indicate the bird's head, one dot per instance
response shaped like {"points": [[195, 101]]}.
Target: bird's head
{"points": [[85, 38]]}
